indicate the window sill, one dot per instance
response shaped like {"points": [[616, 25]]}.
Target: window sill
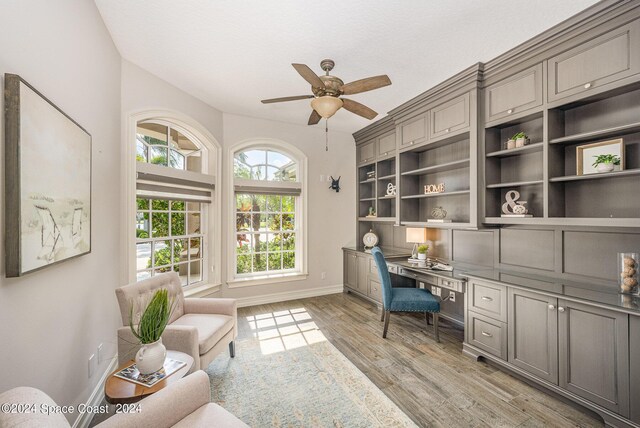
{"points": [[266, 279], [202, 290]]}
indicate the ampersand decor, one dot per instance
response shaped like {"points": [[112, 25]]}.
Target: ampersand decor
{"points": [[391, 189], [517, 207]]}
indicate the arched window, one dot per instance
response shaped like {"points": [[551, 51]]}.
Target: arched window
{"points": [[268, 211], [174, 192]]}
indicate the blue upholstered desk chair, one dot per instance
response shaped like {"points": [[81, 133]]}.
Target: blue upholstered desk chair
{"points": [[404, 299]]}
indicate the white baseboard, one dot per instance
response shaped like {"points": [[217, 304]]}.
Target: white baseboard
{"points": [[96, 397], [289, 295]]}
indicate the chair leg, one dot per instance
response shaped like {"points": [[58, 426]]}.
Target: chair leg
{"points": [[382, 315], [436, 325], [387, 315], [426, 317], [232, 349]]}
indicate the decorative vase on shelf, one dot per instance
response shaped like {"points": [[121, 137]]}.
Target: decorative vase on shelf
{"points": [[150, 357], [605, 167], [521, 142], [511, 144], [628, 268]]}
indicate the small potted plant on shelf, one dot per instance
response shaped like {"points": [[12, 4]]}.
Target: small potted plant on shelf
{"points": [[605, 163], [151, 324], [422, 252], [521, 139]]}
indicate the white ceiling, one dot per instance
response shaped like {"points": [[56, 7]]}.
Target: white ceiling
{"points": [[231, 54]]}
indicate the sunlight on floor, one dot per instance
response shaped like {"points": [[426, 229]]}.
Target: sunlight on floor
{"points": [[284, 330]]}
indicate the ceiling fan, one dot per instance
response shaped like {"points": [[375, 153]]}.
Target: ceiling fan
{"points": [[328, 90]]}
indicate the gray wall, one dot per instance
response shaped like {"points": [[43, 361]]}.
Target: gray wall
{"points": [[52, 320]]}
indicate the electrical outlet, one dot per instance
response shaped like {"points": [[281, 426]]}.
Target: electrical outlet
{"points": [[100, 353], [421, 285], [435, 291], [323, 275], [452, 296], [92, 365]]}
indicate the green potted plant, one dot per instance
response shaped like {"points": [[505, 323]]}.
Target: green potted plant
{"points": [[422, 252], [154, 319], [605, 163], [521, 139]]}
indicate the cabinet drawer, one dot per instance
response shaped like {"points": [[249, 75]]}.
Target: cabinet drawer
{"points": [[488, 334], [605, 59], [375, 290], [449, 117], [387, 145], [451, 284], [367, 152], [413, 131], [514, 95], [488, 299]]}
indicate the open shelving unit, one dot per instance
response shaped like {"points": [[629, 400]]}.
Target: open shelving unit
{"points": [[372, 192], [518, 169], [448, 162], [599, 197]]}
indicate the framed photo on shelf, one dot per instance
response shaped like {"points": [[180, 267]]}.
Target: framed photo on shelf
{"points": [[586, 154]]}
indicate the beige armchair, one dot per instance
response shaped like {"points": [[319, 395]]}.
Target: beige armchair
{"points": [[186, 403], [200, 327]]}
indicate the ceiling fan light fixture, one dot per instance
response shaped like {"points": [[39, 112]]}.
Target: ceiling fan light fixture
{"points": [[326, 106]]}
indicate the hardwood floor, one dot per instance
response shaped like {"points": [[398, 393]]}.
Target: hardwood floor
{"points": [[433, 383]]}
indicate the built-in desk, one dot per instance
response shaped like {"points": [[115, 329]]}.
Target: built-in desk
{"points": [[361, 277]]}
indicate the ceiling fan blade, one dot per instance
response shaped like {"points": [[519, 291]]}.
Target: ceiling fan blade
{"points": [[364, 85], [283, 99], [314, 118], [359, 109], [309, 75]]}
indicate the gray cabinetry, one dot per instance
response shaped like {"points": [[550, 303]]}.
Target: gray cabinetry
{"points": [[594, 354], [514, 95], [488, 299], [374, 290], [604, 59], [449, 117], [362, 285], [413, 131], [634, 359], [486, 333], [366, 152], [387, 145], [350, 270], [533, 333]]}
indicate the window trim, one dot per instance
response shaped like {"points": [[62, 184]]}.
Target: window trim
{"points": [[300, 158], [211, 163]]}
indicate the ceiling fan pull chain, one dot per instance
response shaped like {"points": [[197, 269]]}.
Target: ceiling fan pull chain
{"points": [[326, 135]]}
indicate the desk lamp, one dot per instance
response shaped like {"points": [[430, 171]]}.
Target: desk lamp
{"points": [[416, 235]]}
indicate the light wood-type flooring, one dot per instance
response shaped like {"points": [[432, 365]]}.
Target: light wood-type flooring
{"points": [[433, 383]]}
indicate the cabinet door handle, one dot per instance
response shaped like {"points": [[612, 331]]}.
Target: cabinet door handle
{"points": [[487, 299], [447, 130], [484, 333], [587, 85], [560, 309], [551, 307], [510, 111], [410, 143]]}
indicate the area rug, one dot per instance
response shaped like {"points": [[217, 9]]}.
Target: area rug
{"points": [[289, 375]]}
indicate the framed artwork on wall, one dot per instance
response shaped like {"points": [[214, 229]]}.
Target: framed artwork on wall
{"points": [[588, 155], [47, 182]]}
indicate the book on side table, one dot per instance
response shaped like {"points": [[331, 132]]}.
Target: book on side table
{"points": [[131, 373]]}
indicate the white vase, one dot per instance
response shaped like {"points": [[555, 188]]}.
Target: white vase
{"points": [[150, 358], [605, 167], [521, 142], [511, 144], [422, 256]]}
